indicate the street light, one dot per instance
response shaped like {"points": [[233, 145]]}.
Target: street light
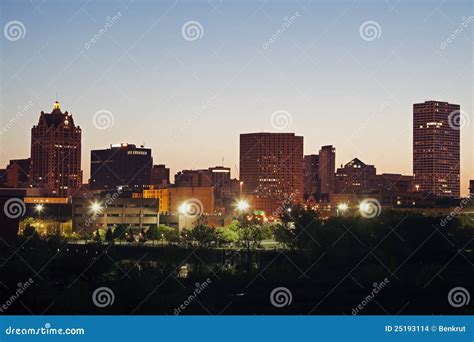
{"points": [[184, 208], [96, 207], [342, 208], [242, 205], [241, 184], [39, 209]]}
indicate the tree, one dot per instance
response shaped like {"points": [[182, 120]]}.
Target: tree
{"points": [[109, 236], [120, 232], [152, 233], [203, 234], [170, 234], [130, 236], [250, 234], [29, 231], [97, 235], [227, 235]]}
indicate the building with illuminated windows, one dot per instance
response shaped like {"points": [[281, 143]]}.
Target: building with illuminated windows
{"points": [[56, 153], [271, 168], [436, 148]]}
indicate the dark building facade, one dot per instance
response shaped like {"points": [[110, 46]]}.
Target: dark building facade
{"points": [[436, 148], [355, 177], [271, 167], [121, 165], [17, 173], [160, 175], [471, 188], [327, 171], [56, 153], [312, 183]]}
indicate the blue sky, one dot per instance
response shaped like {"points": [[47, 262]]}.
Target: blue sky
{"points": [[190, 99]]}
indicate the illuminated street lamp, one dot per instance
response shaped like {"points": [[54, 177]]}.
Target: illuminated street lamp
{"points": [[39, 209], [184, 208], [241, 184], [96, 207], [342, 208], [242, 206], [417, 187]]}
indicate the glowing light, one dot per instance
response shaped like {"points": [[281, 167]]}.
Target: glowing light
{"points": [[242, 205], [39, 208], [96, 207], [184, 208], [342, 206]]}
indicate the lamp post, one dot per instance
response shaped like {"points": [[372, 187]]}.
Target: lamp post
{"points": [[241, 185], [341, 209]]}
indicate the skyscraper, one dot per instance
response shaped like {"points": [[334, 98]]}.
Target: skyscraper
{"points": [[56, 152], [327, 169], [436, 145], [121, 165], [271, 166], [311, 176]]}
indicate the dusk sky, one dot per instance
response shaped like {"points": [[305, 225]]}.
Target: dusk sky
{"points": [[189, 97]]}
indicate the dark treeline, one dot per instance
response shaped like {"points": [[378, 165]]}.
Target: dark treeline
{"points": [[330, 267]]}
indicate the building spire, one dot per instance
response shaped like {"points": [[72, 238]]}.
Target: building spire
{"points": [[56, 105]]}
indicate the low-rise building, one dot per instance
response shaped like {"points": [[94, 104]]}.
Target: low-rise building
{"points": [[89, 214]]}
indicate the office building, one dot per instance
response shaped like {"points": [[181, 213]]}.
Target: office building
{"points": [[312, 183], [56, 153], [355, 177], [436, 146], [122, 165], [17, 173], [103, 212], [271, 167], [160, 175], [327, 170]]}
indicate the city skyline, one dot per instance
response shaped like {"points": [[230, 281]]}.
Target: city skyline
{"points": [[189, 100]]}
